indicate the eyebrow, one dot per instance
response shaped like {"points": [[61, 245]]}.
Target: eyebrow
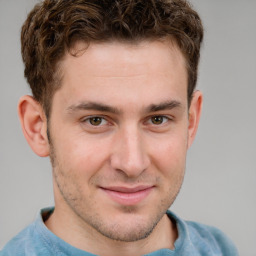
{"points": [[167, 105], [93, 106]]}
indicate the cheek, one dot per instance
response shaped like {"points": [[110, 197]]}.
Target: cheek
{"points": [[170, 152], [81, 156], [172, 163]]}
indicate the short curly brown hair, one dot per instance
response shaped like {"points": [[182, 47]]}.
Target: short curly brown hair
{"points": [[54, 26]]}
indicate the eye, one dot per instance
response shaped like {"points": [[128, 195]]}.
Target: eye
{"points": [[95, 121], [158, 120]]}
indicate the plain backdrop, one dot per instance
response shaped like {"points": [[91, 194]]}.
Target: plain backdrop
{"points": [[220, 183]]}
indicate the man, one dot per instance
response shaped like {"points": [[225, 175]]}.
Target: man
{"points": [[115, 107]]}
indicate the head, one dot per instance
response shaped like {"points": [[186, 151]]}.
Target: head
{"points": [[53, 27], [113, 83]]}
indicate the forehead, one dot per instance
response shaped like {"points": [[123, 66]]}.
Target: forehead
{"points": [[124, 57], [125, 69]]}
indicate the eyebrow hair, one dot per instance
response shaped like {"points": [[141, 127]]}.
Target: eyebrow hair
{"points": [[168, 105], [93, 106]]}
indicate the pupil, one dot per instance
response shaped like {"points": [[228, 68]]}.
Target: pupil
{"points": [[95, 120], [157, 119]]}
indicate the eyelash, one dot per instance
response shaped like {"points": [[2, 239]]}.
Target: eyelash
{"points": [[89, 120], [165, 119]]}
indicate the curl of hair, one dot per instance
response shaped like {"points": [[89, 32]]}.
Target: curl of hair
{"points": [[54, 26]]}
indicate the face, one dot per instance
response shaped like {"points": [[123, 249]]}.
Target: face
{"points": [[119, 136]]}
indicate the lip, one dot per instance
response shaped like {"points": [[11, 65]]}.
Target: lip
{"points": [[128, 196]]}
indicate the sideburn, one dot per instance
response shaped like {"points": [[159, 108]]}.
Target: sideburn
{"points": [[52, 151]]}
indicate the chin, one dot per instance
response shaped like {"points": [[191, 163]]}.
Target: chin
{"points": [[127, 226], [128, 233]]}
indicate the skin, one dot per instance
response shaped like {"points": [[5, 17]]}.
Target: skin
{"points": [[120, 128]]}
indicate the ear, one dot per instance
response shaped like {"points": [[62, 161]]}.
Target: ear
{"points": [[194, 115], [34, 125]]}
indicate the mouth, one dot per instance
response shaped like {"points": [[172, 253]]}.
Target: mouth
{"points": [[128, 196]]}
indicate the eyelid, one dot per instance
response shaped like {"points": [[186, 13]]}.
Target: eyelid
{"points": [[107, 122], [166, 117], [87, 120]]}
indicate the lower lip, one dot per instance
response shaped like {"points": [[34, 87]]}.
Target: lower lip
{"points": [[128, 198]]}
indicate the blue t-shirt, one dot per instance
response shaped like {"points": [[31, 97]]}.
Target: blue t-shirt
{"points": [[194, 239]]}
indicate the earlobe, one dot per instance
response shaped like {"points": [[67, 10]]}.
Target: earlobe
{"points": [[34, 125], [194, 116]]}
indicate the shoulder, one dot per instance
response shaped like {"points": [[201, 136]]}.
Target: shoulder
{"points": [[17, 245], [212, 236], [29, 241], [200, 237]]}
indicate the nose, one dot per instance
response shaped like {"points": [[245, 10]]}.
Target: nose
{"points": [[130, 153]]}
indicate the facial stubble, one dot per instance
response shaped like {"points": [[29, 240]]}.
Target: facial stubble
{"points": [[115, 231]]}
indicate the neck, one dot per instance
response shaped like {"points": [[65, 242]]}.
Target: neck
{"points": [[88, 239]]}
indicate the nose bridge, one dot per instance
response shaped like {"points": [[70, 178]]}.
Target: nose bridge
{"points": [[130, 154]]}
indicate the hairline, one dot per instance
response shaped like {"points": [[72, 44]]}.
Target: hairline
{"points": [[59, 74]]}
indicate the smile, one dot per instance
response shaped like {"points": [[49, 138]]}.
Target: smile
{"points": [[128, 196]]}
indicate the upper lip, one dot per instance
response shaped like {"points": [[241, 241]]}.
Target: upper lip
{"points": [[123, 189]]}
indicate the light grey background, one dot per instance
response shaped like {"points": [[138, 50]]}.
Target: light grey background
{"points": [[220, 184]]}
